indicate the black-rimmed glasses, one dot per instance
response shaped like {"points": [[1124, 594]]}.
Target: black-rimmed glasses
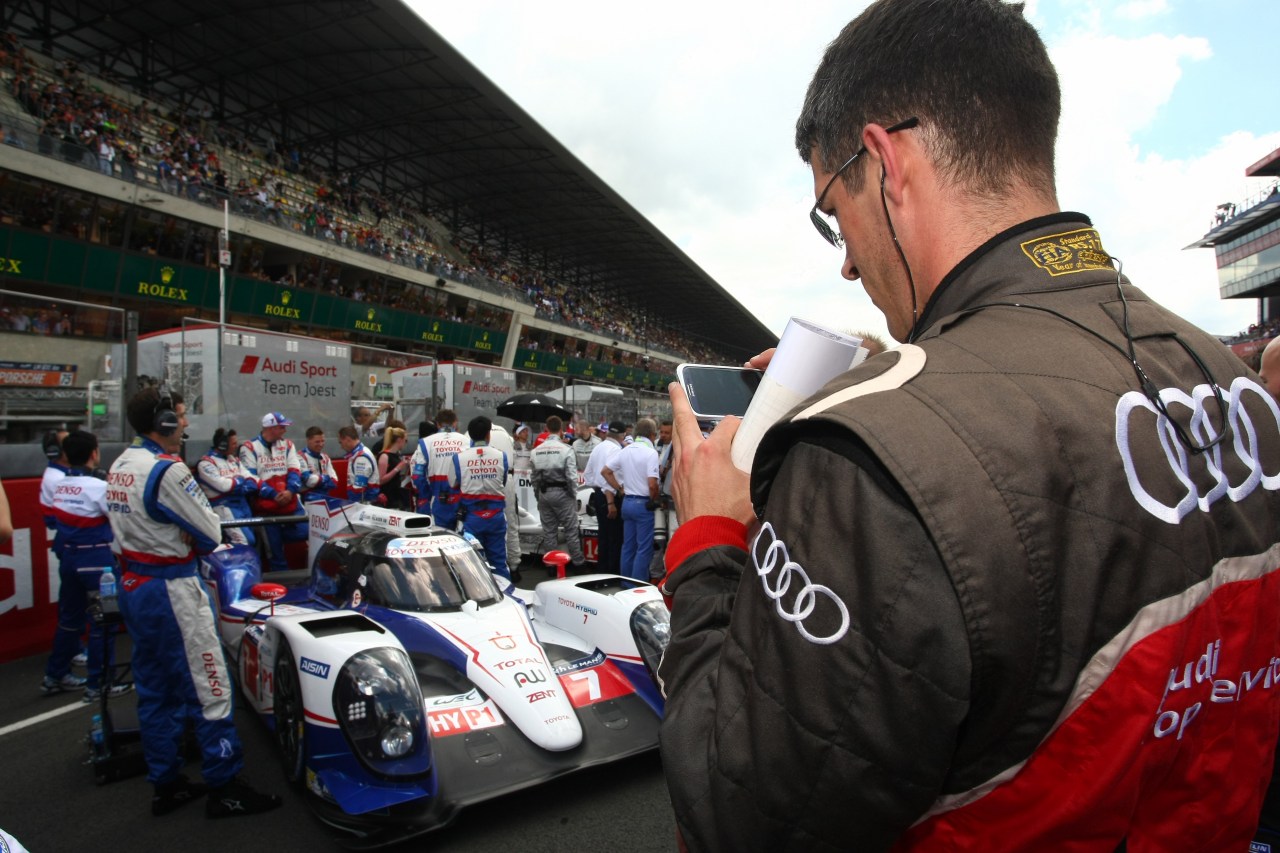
{"points": [[818, 218]]}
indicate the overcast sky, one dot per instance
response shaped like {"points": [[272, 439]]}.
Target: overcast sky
{"points": [[688, 109]]}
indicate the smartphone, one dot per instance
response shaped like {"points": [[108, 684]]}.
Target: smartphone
{"points": [[716, 391]]}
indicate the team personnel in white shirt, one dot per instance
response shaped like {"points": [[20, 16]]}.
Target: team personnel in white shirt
{"points": [[587, 440], [635, 470], [500, 439], [605, 499]]}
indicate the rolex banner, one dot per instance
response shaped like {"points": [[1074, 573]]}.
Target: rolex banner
{"points": [[306, 380]]}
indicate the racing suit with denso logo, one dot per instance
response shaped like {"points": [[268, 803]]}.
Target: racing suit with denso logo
{"points": [[1031, 618], [479, 476], [224, 483], [274, 468], [160, 518], [432, 461]]}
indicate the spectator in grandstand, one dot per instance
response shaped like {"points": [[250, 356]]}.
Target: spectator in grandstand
{"points": [[362, 468], [320, 478], [272, 464], [224, 482]]}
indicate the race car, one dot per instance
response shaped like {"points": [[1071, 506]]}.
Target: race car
{"points": [[405, 680]]}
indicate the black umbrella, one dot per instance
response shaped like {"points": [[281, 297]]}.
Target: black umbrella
{"points": [[532, 407]]}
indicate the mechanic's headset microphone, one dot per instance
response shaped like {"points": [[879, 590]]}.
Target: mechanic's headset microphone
{"points": [[164, 420]]}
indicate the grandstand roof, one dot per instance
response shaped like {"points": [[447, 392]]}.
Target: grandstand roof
{"points": [[366, 86]]}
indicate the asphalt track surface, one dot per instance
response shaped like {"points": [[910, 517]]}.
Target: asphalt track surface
{"points": [[51, 804]]}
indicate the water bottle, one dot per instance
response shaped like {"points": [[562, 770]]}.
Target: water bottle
{"points": [[107, 584], [95, 731]]}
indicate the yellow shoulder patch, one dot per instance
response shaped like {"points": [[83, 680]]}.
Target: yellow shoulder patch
{"points": [[1074, 251]]}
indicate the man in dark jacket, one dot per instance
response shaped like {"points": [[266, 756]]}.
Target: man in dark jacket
{"points": [[1013, 585]]}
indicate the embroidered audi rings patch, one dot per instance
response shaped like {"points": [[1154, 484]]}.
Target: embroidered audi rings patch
{"points": [[776, 569], [1245, 444]]}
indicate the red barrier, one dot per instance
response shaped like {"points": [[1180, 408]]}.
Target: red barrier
{"points": [[28, 586]]}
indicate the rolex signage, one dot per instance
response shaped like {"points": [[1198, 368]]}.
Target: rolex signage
{"points": [[282, 309], [369, 323], [165, 289], [433, 335]]}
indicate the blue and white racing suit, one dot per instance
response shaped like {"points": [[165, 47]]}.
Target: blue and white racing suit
{"points": [[432, 462], [479, 475], [362, 476], [158, 513], [225, 485], [274, 468], [53, 474], [79, 509]]}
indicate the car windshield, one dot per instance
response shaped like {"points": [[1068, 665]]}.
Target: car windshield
{"points": [[429, 576]]}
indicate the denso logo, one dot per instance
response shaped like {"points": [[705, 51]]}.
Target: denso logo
{"points": [[314, 667]]}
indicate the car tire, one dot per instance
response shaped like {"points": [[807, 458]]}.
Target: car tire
{"points": [[290, 720]]}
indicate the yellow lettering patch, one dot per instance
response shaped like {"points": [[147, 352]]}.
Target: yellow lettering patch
{"points": [[1074, 251]]}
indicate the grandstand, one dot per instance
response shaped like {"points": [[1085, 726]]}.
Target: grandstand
{"points": [[381, 191], [1244, 237]]}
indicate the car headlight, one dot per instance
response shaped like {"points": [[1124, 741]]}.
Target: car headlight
{"points": [[379, 707], [651, 629]]}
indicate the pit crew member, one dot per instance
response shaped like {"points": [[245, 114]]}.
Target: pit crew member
{"points": [[223, 480], [432, 461], [555, 481], [272, 465], [161, 519], [320, 478], [480, 476], [362, 468]]}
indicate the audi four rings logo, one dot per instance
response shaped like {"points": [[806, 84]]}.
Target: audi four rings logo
{"points": [[806, 597], [1245, 445]]}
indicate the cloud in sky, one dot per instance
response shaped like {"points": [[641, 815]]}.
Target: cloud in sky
{"points": [[688, 110]]}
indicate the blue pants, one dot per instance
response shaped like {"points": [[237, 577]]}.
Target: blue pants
{"points": [[637, 538], [492, 533], [179, 673], [444, 514], [73, 606], [278, 534]]}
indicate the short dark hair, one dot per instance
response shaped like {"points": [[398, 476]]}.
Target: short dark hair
{"points": [[974, 72], [143, 405], [79, 446], [554, 424], [313, 431], [349, 432], [479, 428], [446, 417]]}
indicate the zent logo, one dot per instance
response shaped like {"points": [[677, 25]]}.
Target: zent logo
{"points": [[1246, 443], [313, 667]]}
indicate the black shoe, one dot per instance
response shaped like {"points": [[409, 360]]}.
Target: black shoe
{"points": [[237, 799], [516, 577], [176, 794]]}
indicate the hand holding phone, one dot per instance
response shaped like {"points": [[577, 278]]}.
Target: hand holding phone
{"points": [[716, 391]]}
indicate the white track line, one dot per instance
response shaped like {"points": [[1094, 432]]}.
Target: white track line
{"points": [[40, 718]]}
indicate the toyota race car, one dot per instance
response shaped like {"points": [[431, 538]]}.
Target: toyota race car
{"points": [[403, 682]]}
